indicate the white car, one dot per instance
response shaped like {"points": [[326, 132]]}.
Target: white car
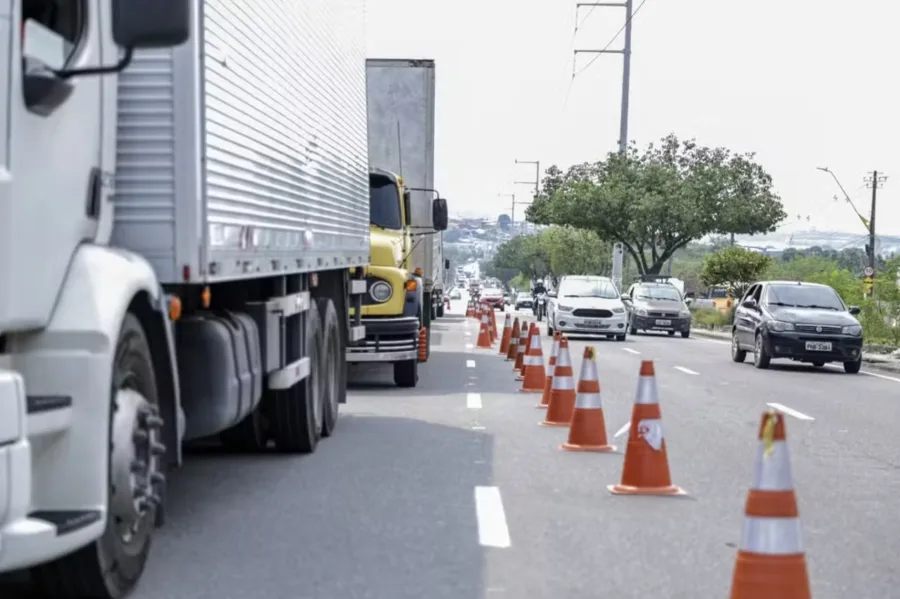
{"points": [[587, 305]]}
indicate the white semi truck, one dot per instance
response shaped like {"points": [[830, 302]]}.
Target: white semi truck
{"points": [[184, 213]]}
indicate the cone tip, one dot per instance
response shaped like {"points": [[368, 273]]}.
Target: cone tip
{"points": [[563, 342], [772, 426], [556, 335], [647, 368], [589, 352]]}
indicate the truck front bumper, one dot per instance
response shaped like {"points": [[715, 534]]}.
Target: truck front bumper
{"points": [[388, 339]]}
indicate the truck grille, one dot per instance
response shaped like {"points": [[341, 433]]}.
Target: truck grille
{"points": [[814, 328], [385, 343], [592, 313]]}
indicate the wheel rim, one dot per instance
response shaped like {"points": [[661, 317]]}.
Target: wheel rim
{"points": [[315, 386], [734, 346], [757, 349], [135, 467], [331, 380]]}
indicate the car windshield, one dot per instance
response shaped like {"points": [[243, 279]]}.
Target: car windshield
{"points": [[804, 296], [663, 293], [588, 288], [524, 295], [491, 292]]}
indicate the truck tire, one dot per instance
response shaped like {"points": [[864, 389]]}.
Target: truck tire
{"points": [[297, 412], [440, 311], [406, 373], [332, 365], [111, 566]]}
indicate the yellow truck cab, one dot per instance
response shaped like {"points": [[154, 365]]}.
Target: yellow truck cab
{"points": [[392, 306]]}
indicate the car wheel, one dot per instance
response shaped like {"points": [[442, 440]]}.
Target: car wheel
{"points": [[620, 337], [671, 333], [852, 367], [549, 328], [737, 354], [818, 364], [761, 358], [685, 334]]}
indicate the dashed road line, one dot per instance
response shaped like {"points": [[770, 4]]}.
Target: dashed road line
{"points": [[470, 363], [622, 430], [473, 401], [631, 351], [686, 370], [492, 528], [469, 346], [790, 412]]}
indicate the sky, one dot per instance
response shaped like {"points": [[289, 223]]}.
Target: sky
{"points": [[802, 83]]}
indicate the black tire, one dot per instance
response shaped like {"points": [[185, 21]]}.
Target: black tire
{"points": [[107, 568], [440, 311], [685, 334], [406, 373], [249, 435], [294, 424], [671, 333], [818, 364], [332, 365], [621, 337], [737, 354], [761, 358], [852, 367]]}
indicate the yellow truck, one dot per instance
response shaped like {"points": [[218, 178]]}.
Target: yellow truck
{"points": [[406, 215]]}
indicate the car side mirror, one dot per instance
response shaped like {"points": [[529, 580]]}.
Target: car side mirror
{"points": [[439, 215], [688, 301], [151, 23], [446, 264], [854, 310], [626, 300], [751, 304]]}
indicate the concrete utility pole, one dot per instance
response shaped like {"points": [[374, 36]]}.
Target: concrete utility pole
{"points": [[873, 182], [626, 63], [537, 178]]}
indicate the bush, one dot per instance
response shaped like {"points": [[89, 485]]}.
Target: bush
{"points": [[710, 318]]}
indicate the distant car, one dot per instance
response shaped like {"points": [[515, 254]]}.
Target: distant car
{"points": [[524, 300], [804, 322], [456, 294], [493, 297], [587, 305], [657, 307]]}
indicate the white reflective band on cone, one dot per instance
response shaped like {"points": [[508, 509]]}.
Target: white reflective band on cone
{"points": [[772, 536], [646, 391], [588, 401], [535, 342], [773, 472], [554, 349], [589, 371], [563, 383], [563, 358], [532, 360]]}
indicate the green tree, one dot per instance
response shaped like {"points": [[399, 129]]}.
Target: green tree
{"points": [[576, 251], [525, 254], [735, 268], [658, 201]]}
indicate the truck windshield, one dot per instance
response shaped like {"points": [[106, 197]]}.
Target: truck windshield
{"points": [[384, 203]]}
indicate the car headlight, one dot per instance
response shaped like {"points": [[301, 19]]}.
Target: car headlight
{"points": [[562, 308], [685, 314], [640, 312], [618, 310], [852, 329], [381, 292], [779, 326]]}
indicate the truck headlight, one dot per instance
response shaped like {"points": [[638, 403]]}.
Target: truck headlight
{"points": [[852, 329], [381, 292]]}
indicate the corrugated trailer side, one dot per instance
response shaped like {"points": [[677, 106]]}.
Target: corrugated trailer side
{"points": [[243, 153], [401, 95]]}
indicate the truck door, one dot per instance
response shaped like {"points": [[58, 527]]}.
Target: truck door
{"points": [[55, 146]]}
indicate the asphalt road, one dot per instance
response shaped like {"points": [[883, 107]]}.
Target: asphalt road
{"points": [[452, 490]]}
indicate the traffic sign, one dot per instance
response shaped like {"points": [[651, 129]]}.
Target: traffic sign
{"points": [[869, 271]]}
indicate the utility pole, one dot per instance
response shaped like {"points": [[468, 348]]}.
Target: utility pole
{"points": [[873, 182], [512, 215], [626, 62], [537, 178]]}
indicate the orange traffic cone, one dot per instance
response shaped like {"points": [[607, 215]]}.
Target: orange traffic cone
{"points": [[548, 380], [484, 335], [771, 562], [588, 429], [513, 349], [507, 335], [524, 342], [470, 309], [423, 345], [646, 468], [562, 389], [533, 364], [493, 322]]}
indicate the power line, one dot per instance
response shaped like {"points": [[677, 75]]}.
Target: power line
{"points": [[611, 41]]}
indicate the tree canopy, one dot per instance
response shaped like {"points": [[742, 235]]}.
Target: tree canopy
{"points": [[554, 252], [656, 201], [735, 268]]}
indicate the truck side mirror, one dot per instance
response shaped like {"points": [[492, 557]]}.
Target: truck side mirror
{"points": [[439, 216], [150, 23]]}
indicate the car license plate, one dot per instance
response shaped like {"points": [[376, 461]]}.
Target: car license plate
{"points": [[818, 346], [594, 324], [663, 323]]}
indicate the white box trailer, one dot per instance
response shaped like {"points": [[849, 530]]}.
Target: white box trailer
{"points": [[201, 287]]}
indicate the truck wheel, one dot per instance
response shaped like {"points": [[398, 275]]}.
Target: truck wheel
{"points": [[332, 366], [111, 566], [249, 435], [440, 311], [406, 373], [297, 412]]}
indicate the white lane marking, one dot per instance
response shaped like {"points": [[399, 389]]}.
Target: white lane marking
{"points": [[468, 333], [631, 351], [469, 346], [686, 370], [790, 411], [470, 363], [492, 528], [473, 401], [477, 427], [867, 373], [622, 430], [708, 340]]}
